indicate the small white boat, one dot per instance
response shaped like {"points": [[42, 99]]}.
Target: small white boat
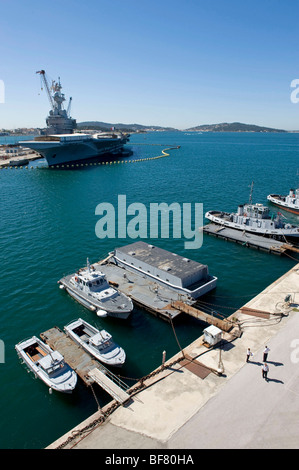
{"points": [[47, 364], [98, 343]]}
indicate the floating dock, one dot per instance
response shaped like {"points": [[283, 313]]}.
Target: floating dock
{"points": [[155, 278], [248, 239], [88, 369]]}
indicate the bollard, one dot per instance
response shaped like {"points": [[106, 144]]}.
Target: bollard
{"points": [[163, 357]]}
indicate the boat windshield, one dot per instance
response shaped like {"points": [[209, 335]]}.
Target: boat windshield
{"points": [[105, 345]]}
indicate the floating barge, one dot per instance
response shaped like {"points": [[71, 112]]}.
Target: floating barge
{"points": [[155, 278], [250, 240]]}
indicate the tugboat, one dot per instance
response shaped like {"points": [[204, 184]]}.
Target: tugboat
{"points": [[47, 364], [255, 218], [91, 288], [98, 343], [289, 203]]}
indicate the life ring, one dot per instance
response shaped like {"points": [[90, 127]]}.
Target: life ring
{"points": [[76, 279]]}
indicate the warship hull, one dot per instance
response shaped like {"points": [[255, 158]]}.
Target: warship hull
{"points": [[59, 152]]}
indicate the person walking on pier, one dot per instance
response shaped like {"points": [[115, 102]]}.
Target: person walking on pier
{"points": [[265, 370], [248, 354], [265, 354]]}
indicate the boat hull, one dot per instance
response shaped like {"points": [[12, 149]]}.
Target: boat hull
{"points": [[83, 300], [277, 234], [64, 382], [57, 153], [275, 199], [116, 360]]}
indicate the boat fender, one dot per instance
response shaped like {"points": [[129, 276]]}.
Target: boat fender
{"points": [[101, 313]]}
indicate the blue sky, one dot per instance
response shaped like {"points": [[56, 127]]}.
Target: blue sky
{"points": [[168, 62]]}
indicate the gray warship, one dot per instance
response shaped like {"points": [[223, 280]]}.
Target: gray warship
{"points": [[61, 144]]}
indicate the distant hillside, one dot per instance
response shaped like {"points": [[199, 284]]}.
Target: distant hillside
{"points": [[233, 127], [98, 125]]}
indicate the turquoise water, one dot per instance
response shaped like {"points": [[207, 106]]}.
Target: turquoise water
{"points": [[47, 229]]}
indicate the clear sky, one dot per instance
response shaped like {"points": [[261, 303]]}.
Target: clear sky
{"points": [[177, 63]]}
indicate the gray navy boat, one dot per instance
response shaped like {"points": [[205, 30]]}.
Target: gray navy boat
{"points": [[61, 145], [90, 287]]}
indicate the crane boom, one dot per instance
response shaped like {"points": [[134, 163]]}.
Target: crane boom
{"points": [[69, 107], [43, 75]]}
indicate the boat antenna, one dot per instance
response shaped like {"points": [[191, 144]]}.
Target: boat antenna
{"points": [[88, 265], [250, 194]]}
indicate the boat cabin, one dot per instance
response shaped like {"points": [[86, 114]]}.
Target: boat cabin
{"points": [[51, 363], [92, 280]]}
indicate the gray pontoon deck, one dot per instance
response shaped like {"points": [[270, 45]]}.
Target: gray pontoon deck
{"points": [[247, 239]]}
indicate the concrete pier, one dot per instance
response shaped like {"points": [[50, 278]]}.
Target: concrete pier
{"points": [[232, 406], [29, 156]]}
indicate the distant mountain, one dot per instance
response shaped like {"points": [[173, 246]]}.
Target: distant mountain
{"points": [[98, 125], [233, 127]]}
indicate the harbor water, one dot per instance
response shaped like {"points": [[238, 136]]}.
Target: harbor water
{"points": [[47, 230]]}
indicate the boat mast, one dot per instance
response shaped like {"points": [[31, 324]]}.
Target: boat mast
{"points": [[250, 194]]}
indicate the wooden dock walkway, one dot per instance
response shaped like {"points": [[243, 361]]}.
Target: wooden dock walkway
{"points": [[224, 325], [107, 384], [87, 368]]}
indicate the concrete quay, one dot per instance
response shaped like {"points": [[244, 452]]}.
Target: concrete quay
{"points": [[180, 407], [18, 159]]}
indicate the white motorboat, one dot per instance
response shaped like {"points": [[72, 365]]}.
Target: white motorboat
{"points": [[47, 364], [98, 343], [91, 288]]}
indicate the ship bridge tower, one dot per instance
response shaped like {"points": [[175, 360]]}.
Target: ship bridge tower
{"points": [[59, 120]]}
